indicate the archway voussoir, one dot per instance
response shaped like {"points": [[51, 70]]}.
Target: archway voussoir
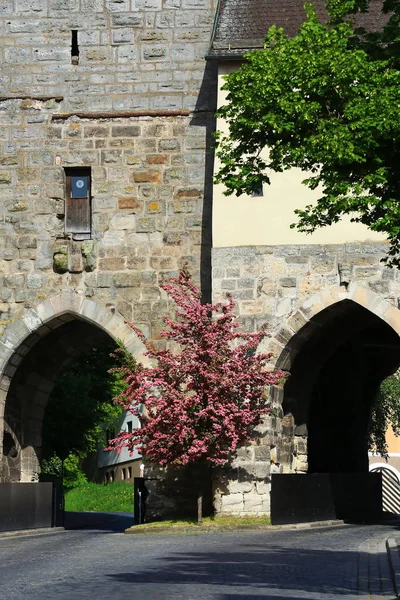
{"points": [[32, 320], [15, 334], [312, 306], [328, 297], [93, 312], [5, 354], [137, 349], [297, 321], [45, 311], [284, 335], [67, 301], [111, 323], [274, 347], [366, 298], [392, 317]]}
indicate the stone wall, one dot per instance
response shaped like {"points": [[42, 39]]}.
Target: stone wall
{"points": [[269, 283], [119, 87], [286, 286], [108, 109], [147, 211], [133, 54]]}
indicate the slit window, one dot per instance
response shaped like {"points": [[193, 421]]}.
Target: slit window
{"points": [[74, 47], [78, 203]]}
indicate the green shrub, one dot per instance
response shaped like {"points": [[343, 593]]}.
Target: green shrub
{"points": [[72, 476]]}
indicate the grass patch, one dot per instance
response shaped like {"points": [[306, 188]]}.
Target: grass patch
{"points": [[215, 521], [113, 497]]}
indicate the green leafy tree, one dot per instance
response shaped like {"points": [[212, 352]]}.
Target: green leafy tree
{"points": [[385, 413], [326, 101], [79, 411]]}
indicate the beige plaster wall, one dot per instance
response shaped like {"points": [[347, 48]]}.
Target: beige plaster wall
{"points": [[247, 221]]}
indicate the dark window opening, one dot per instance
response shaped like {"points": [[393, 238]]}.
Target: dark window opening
{"points": [[257, 192], [74, 47], [78, 203], [129, 426], [110, 434]]}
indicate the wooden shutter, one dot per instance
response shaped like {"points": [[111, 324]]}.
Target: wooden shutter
{"points": [[77, 209]]}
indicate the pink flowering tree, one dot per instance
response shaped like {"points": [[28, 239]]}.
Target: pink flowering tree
{"points": [[203, 402]]}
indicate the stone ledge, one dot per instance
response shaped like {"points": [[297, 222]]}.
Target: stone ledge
{"points": [[198, 529]]}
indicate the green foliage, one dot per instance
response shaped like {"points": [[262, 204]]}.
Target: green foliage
{"points": [[385, 412], [113, 497], [326, 101], [71, 472], [80, 410], [81, 405]]}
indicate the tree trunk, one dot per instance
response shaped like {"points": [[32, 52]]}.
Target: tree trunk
{"points": [[199, 507]]}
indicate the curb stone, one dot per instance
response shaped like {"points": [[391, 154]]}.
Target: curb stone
{"points": [[394, 563], [140, 530], [378, 566], [30, 532]]}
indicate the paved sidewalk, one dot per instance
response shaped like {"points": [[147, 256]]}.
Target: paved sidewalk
{"points": [[374, 572], [379, 568]]}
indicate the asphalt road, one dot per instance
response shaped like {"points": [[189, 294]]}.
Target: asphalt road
{"points": [[100, 564]]}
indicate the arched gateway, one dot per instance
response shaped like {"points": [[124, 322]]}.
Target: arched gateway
{"points": [[34, 351], [338, 351], [338, 346]]}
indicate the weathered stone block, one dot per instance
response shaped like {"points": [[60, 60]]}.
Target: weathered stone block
{"points": [[123, 221], [146, 177], [125, 131], [60, 259], [122, 280], [232, 503]]}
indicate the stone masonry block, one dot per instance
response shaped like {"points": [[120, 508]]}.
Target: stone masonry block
{"points": [[232, 503], [32, 320], [45, 311], [92, 311], [252, 502], [392, 317], [5, 354], [15, 334], [66, 302]]}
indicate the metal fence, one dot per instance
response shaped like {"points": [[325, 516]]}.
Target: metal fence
{"points": [[29, 506]]}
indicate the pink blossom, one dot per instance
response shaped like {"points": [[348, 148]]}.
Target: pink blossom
{"points": [[204, 402]]}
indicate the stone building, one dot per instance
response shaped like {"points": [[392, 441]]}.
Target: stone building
{"points": [[331, 304], [106, 115]]}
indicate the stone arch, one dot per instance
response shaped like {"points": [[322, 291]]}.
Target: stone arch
{"points": [[35, 349], [285, 353], [355, 334]]}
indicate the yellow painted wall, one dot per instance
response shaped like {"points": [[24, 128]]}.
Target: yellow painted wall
{"points": [[393, 442], [247, 221]]}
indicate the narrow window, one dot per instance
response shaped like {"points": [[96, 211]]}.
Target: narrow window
{"points": [[74, 47], [258, 192], [77, 203], [129, 426], [129, 472]]}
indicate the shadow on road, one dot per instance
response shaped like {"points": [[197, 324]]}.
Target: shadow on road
{"points": [[113, 522], [262, 570]]}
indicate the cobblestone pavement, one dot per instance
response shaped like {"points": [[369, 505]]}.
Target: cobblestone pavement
{"points": [[348, 562]]}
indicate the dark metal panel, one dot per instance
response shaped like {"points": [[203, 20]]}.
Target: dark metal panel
{"points": [[299, 498], [25, 506]]}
